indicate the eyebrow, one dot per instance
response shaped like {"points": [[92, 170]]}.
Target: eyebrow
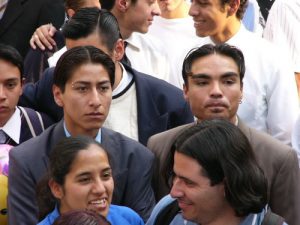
{"points": [[88, 173], [89, 83], [206, 76]]}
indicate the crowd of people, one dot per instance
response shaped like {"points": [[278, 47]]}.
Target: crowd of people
{"points": [[156, 112]]}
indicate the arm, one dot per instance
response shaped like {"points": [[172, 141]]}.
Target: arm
{"points": [[43, 36], [21, 193], [282, 99], [139, 194], [285, 191]]}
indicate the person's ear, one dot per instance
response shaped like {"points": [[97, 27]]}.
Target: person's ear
{"points": [[122, 5], [119, 50], [56, 189], [233, 7], [57, 94], [70, 13], [185, 92]]}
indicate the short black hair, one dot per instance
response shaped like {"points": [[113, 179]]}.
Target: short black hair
{"points": [[87, 21], [209, 49], [10, 54], [77, 56]]}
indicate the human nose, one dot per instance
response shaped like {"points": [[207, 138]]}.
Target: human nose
{"points": [[156, 10], [216, 90], [2, 92], [192, 10], [95, 98], [176, 190], [98, 187]]}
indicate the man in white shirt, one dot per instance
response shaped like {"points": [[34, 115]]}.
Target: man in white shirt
{"points": [[270, 101], [282, 28]]}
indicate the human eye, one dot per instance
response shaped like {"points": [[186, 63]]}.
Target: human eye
{"points": [[229, 81], [84, 179], [81, 88], [11, 84], [103, 88], [107, 175], [201, 82]]}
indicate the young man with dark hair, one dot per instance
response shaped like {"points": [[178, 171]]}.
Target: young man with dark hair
{"points": [[216, 179], [142, 105], [17, 124], [85, 96], [214, 86]]}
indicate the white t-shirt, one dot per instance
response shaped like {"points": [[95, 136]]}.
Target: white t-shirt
{"points": [[283, 28]]}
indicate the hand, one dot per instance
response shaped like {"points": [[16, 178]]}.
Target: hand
{"points": [[43, 37]]}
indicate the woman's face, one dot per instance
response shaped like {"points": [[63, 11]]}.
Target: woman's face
{"points": [[88, 185]]}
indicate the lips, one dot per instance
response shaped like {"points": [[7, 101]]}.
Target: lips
{"points": [[95, 115], [216, 105], [99, 204]]}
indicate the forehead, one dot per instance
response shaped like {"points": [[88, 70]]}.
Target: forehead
{"points": [[89, 72], [185, 165], [89, 158], [93, 39], [9, 70], [214, 64]]}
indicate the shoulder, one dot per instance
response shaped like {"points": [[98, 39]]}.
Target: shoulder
{"points": [[267, 147], [123, 215], [29, 150], [121, 144], [168, 135]]}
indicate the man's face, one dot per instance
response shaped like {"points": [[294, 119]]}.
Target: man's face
{"points": [[210, 18], [10, 90], [169, 5], [214, 89], [140, 15], [86, 99], [199, 201]]}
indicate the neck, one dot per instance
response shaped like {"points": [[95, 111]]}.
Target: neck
{"points": [[228, 32], [118, 74], [75, 131], [182, 11]]}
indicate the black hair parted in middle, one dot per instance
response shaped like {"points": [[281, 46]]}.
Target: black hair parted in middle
{"points": [[78, 56]]}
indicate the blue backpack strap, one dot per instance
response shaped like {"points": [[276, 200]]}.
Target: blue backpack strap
{"points": [[34, 120], [272, 219]]}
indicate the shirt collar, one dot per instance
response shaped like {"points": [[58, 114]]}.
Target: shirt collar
{"points": [[97, 138], [13, 126]]}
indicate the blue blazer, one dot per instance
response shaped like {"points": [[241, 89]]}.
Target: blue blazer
{"points": [[132, 166], [160, 105]]}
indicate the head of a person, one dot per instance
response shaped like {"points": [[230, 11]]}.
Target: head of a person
{"points": [[215, 18], [81, 175], [72, 6], [83, 80], [135, 15], [216, 174], [213, 84], [99, 28], [11, 76], [81, 217]]}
